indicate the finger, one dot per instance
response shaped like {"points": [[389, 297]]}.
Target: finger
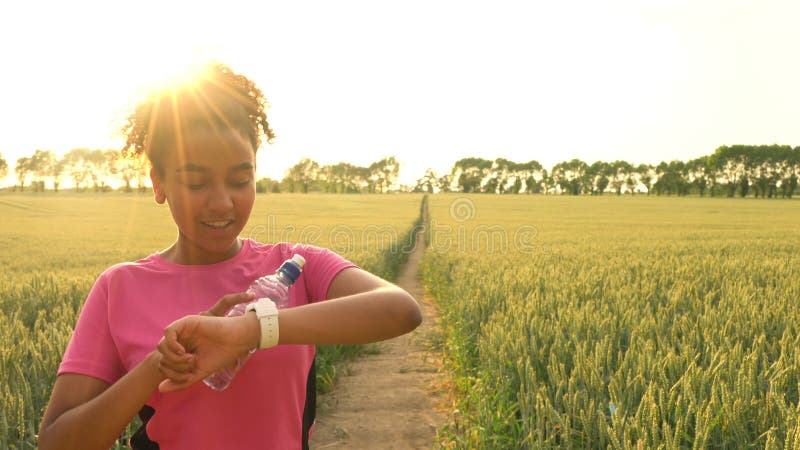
{"points": [[169, 343], [168, 386], [226, 302], [175, 377], [172, 350], [180, 382], [173, 344], [172, 386], [181, 364]]}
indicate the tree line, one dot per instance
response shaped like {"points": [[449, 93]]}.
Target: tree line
{"points": [[309, 176], [766, 171], [97, 170], [87, 169]]}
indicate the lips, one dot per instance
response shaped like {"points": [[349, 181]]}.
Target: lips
{"points": [[217, 224]]}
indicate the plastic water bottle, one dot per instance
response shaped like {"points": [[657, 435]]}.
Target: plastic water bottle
{"points": [[276, 288]]}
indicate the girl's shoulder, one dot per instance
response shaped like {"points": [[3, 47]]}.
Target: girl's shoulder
{"points": [[286, 249], [149, 263]]}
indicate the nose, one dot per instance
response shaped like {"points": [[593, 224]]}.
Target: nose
{"points": [[219, 200]]}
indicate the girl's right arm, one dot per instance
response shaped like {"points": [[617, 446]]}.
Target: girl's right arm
{"points": [[87, 413]]}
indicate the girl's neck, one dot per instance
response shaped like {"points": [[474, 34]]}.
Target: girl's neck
{"points": [[183, 252]]}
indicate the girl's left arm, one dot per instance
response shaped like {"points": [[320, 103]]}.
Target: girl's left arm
{"points": [[361, 308]]}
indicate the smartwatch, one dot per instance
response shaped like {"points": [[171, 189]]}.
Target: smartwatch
{"points": [[267, 314]]}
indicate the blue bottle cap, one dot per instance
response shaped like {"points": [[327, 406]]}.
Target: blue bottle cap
{"points": [[292, 268]]}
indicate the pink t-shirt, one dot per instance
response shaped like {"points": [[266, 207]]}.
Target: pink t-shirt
{"points": [[125, 315]]}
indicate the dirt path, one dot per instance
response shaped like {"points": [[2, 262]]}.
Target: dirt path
{"points": [[387, 400]]}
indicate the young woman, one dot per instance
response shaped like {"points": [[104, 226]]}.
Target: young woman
{"points": [[201, 140]]}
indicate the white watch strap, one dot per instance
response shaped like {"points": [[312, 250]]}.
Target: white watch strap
{"points": [[267, 314]]}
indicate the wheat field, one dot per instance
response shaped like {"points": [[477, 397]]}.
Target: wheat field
{"points": [[618, 322], [615, 322]]}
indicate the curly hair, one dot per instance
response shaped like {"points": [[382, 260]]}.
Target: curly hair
{"points": [[217, 99]]}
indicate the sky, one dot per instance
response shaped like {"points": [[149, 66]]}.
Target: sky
{"points": [[429, 82]]}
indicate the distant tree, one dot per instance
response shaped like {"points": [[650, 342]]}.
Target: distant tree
{"points": [[339, 173], [57, 172], [128, 167], [620, 172], [533, 177], [549, 183], [101, 167], [3, 167], [428, 183], [77, 166], [732, 163], [790, 173], [336, 174], [496, 179], [302, 175], [445, 183], [22, 169], [631, 181], [771, 168], [470, 173], [383, 174], [358, 180], [571, 176], [287, 185], [671, 178], [268, 185], [645, 173], [343, 178], [42, 165], [748, 160], [372, 176], [700, 174], [505, 176], [597, 175], [516, 186], [391, 170]]}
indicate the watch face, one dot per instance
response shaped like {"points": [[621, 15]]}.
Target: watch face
{"points": [[265, 307]]}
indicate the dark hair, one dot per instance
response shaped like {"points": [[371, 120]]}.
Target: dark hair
{"points": [[217, 99]]}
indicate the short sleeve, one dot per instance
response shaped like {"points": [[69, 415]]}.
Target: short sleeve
{"points": [[91, 350], [322, 265]]}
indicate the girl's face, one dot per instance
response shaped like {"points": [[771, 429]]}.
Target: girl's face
{"points": [[210, 189]]}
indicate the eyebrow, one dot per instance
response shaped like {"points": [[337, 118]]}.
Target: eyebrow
{"points": [[195, 168]]}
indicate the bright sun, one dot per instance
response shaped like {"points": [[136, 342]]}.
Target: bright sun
{"points": [[168, 71]]}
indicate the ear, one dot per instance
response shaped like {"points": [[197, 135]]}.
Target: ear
{"points": [[158, 188]]}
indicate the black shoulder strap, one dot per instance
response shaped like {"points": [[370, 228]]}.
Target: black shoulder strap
{"points": [[140, 440], [310, 411]]}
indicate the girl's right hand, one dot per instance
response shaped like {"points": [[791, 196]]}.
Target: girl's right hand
{"points": [[212, 343], [227, 302]]}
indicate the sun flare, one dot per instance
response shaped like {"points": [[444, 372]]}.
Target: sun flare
{"points": [[170, 71], [174, 78]]}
